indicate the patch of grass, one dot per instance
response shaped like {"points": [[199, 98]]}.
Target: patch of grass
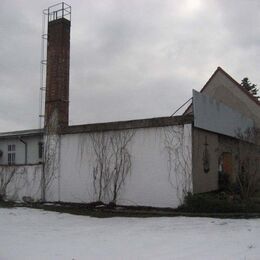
{"points": [[101, 210], [7, 204], [216, 205], [218, 202]]}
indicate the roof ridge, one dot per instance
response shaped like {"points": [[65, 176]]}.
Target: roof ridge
{"points": [[239, 85]]}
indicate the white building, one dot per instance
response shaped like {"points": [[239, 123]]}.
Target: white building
{"points": [[151, 162]]}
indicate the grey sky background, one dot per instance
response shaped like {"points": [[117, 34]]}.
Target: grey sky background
{"points": [[129, 59]]}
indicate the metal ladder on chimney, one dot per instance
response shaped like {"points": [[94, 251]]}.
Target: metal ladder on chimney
{"points": [[43, 66]]}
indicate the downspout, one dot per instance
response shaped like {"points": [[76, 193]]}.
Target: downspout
{"points": [[59, 173], [25, 149]]}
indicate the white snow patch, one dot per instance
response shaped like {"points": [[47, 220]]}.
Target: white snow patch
{"points": [[37, 234]]}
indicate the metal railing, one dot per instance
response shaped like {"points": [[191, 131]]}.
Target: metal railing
{"points": [[57, 11]]}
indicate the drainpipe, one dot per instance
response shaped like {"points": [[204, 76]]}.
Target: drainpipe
{"points": [[25, 149]]}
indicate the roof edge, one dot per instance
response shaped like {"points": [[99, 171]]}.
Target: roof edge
{"points": [[30, 132], [131, 124], [238, 85]]}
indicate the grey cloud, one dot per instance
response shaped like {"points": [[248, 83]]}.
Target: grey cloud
{"points": [[129, 59]]}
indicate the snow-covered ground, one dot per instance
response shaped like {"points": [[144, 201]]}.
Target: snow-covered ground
{"points": [[36, 234]]}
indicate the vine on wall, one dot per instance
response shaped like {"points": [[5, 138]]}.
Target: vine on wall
{"points": [[179, 160], [112, 163], [7, 175], [16, 181], [51, 160]]}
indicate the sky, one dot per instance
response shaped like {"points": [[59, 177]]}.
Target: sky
{"points": [[129, 59]]}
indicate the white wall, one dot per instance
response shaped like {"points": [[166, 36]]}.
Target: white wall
{"points": [[160, 167], [26, 181]]}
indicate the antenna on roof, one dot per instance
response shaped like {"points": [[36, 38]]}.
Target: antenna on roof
{"points": [[190, 99]]}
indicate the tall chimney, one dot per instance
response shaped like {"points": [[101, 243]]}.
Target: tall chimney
{"points": [[58, 62]]}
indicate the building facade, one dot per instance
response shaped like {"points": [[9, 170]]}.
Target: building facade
{"points": [[149, 162]]}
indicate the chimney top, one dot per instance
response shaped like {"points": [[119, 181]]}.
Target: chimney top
{"points": [[58, 11]]}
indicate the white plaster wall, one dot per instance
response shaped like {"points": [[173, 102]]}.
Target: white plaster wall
{"points": [[153, 179], [26, 182], [52, 167]]}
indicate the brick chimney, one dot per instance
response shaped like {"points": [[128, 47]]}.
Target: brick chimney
{"points": [[57, 78]]}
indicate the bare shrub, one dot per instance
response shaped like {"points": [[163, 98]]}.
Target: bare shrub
{"points": [[112, 163], [248, 176], [179, 160], [9, 175]]}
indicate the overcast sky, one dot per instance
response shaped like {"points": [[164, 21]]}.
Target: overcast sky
{"points": [[129, 59]]}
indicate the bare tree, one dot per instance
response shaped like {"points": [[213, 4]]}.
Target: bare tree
{"points": [[8, 177], [121, 161], [246, 180], [248, 176], [179, 160], [112, 163], [101, 169]]}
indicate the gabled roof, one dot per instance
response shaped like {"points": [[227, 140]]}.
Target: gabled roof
{"points": [[235, 82], [254, 99]]}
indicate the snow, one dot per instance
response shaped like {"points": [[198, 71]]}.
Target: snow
{"points": [[37, 234]]}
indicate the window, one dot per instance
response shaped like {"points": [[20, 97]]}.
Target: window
{"points": [[11, 147], [40, 150], [11, 154]]}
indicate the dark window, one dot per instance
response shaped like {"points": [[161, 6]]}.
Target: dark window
{"points": [[11, 147], [40, 152], [11, 154]]}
